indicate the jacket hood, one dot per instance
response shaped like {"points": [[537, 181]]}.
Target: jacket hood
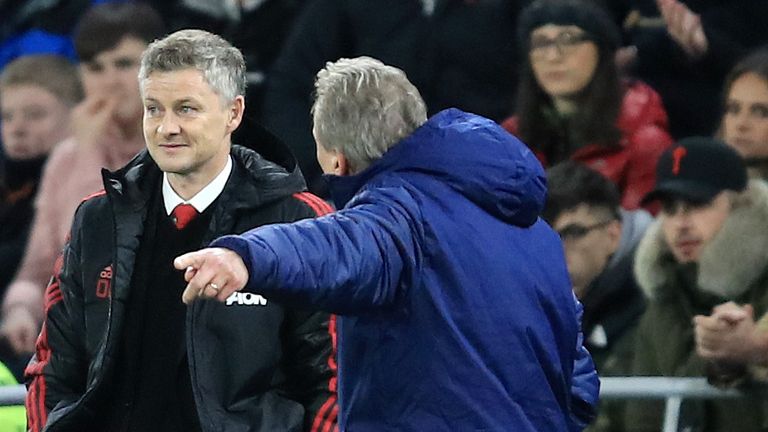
{"points": [[729, 265], [267, 162], [473, 155]]}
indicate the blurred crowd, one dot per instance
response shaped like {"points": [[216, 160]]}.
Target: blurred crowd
{"points": [[651, 117]]}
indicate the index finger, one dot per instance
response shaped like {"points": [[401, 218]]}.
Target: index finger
{"points": [[190, 259]]}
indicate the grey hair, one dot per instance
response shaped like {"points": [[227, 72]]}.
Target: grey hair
{"points": [[363, 107], [221, 64]]}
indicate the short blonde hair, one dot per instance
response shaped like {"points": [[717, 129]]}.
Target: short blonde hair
{"points": [[53, 73]]}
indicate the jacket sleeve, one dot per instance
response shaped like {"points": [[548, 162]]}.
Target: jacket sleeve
{"points": [[309, 348], [310, 365], [586, 384], [57, 372], [648, 136], [649, 143], [346, 262]]}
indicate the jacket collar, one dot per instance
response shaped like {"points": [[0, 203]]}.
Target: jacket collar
{"points": [[734, 260], [267, 181]]}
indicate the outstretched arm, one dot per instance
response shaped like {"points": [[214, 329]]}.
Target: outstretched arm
{"points": [[349, 261]]}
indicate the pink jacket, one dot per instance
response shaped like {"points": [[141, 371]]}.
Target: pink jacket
{"points": [[71, 173], [631, 165]]}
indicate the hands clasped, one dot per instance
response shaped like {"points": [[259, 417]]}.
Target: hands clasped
{"points": [[213, 273], [729, 334]]}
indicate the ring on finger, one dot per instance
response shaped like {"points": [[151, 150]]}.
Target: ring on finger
{"points": [[214, 286]]}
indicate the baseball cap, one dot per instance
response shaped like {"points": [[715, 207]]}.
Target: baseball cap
{"points": [[696, 169]]}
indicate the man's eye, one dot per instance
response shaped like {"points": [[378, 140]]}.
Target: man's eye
{"points": [[760, 110], [94, 67], [125, 63]]}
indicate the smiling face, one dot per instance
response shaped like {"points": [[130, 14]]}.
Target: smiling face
{"points": [[563, 59], [745, 121], [187, 126], [33, 121]]}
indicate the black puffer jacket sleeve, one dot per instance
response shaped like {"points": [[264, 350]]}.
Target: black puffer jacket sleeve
{"points": [[310, 365], [58, 371]]}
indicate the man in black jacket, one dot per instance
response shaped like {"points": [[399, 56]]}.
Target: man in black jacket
{"points": [[119, 350]]}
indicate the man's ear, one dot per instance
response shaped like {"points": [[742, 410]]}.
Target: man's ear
{"points": [[236, 110], [341, 165], [614, 231]]}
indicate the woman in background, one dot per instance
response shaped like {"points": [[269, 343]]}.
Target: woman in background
{"points": [[744, 123], [572, 105]]}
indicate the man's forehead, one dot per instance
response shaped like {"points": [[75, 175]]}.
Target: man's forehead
{"points": [[581, 213], [183, 83]]}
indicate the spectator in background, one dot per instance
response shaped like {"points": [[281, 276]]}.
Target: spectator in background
{"points": [[730, 339], [599, 238], [685, 48], [572, 105], [452, 319], [707, 248], [458, 53], [37, 93], [119, 350], [106, 133], [744, 124]]}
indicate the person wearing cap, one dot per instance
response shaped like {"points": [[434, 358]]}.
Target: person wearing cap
{"points": [[571, 103], [707, 248]]}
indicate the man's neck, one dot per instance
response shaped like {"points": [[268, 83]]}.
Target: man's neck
{"points": [[190, 184]]}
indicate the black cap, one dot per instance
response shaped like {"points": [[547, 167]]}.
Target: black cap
{"points": [[584, 14], [696, 169]]}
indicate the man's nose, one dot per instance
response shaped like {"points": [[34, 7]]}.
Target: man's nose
{"points": [[169, 126], [16, 126]]}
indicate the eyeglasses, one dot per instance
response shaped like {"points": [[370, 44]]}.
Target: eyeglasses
{"points": [[577, 231], [564, 43]]}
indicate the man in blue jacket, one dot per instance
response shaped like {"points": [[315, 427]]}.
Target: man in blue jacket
{"points": [[456, 309]]}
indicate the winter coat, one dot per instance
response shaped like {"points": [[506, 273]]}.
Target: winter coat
{"points": [[632, 163], [732, 267], [457, 311], [254, 365]]}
